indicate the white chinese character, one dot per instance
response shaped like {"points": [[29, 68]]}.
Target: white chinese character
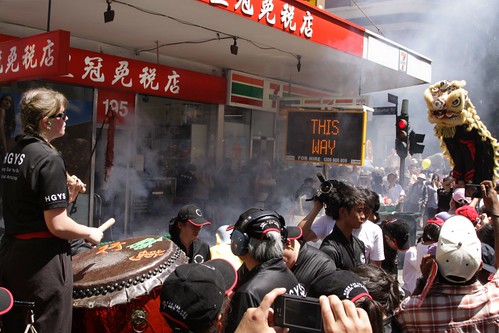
{"points": [[29, 60], [93, 67], [120, 73], [247, 7], [48, 54], [306, 27], [287, 15], [219, 2], [1, 65], [12, 63], [172, 84], [266, 10], [147, 78], [69, 74]]}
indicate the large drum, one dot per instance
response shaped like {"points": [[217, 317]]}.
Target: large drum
{"points": [[117, 285]]}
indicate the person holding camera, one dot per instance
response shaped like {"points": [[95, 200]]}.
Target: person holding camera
{"points": [[338, 316], [347, 207]]}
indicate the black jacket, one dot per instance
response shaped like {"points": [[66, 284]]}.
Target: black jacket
{"points": [[256, 284]]}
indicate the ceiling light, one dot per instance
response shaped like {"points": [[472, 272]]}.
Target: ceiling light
{"points": [[108, 14], [234, 48], [298, 65]]}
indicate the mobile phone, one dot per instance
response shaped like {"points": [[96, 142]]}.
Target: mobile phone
{"points": [[300, 313], [473, 190]]}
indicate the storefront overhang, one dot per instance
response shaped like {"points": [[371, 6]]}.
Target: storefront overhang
{"points": [[197, 35]]}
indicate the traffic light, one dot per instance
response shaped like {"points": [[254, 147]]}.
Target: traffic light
{"points": [[415, 140], [401, 135]]}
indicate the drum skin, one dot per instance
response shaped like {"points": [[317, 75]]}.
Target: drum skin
{"points": [[117, 285]]}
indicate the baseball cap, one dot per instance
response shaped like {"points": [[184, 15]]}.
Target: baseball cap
{"points": [[459, 196], [436, 220], [193, 295], [422, 176], [257, 222], [458, 252], [342, 283], [443, 215], [488, 258], [193, 214], [398, 230], [469, 212]]}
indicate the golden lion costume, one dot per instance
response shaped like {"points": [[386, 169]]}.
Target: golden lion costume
{"points": [[472, 151]]}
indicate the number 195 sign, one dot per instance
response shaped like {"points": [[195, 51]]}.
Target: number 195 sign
{"points": [[121, 103]]}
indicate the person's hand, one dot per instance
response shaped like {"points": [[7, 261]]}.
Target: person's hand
{"points": [[75, 186], [489, 196], [261, 319], [95, 236], [426, 264], [342, 316]]}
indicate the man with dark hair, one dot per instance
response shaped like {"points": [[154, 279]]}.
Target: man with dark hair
{"points": [[347, 208], [453, 300], [395, 238], [184, 231], [257, 238]]}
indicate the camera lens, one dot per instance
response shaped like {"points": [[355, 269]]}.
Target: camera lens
{"points": [[326, 187]]}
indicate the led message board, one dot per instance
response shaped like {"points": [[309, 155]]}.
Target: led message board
{"points": [[326, 136]]}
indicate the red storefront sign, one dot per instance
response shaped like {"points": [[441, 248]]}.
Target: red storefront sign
{"points": [[39, 56], [120, 102], [106, 71], [300, 19]]}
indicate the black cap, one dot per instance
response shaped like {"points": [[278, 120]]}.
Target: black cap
{"points": [[342, 283], [398, 230], [193, 295], [193, 214], [488, 258], [257, 222]]}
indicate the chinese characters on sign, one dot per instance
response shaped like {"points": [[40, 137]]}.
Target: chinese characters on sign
{"points": [[287, 17], [33, 57], [326, 136], [106, 71]]}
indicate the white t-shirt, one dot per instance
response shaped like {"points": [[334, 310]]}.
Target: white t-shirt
{"points": [[395, 192], [372, 236], [412, 262], [369, 233]]}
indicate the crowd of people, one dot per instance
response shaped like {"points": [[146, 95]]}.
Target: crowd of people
{"points": [[343, 254]]}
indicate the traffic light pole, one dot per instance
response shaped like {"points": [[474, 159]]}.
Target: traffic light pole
{"points": [[404, 111]]}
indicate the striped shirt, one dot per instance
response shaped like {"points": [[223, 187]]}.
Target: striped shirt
{"points": [[453, 308]]}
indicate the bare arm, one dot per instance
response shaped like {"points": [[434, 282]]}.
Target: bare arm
{"points": [[492, 204], [62, 226], [306, 223]]}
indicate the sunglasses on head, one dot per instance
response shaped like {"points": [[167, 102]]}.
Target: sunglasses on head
{"points": [[59, 115]]}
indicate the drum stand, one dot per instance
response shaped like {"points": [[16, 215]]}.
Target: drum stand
{"points": [[30, 315]]}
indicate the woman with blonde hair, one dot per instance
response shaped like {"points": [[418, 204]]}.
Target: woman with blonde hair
{"points": [[35, 261]]}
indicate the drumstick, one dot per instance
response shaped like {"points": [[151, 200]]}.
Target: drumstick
{"points": [[106, 225]]}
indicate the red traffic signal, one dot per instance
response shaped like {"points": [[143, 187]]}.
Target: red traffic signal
{"points": [[402, 135], [402, 124]]}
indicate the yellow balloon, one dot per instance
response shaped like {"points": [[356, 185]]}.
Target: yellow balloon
{"points": [[426, 163]]}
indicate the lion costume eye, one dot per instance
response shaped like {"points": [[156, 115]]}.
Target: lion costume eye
{"points": [[456, 102]]}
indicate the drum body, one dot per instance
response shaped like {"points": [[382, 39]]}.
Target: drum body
{"points": [[117, 285]]}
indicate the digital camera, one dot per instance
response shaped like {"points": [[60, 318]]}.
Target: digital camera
{"points": [[326, 188]]}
